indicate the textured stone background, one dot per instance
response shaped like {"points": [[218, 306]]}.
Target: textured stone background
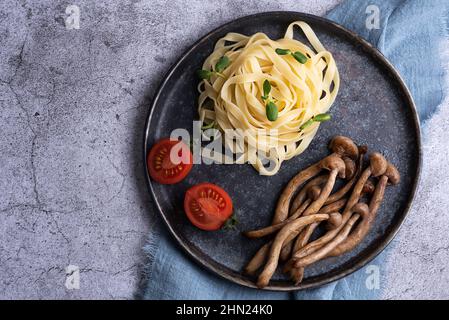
{"points": [[73, 104]]}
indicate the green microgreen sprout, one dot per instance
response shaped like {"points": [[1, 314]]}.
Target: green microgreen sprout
{"points": [[220, 66], [272, 111], [322, 117], [208, 126], [270, 107], [299, 56], [266, 89]]}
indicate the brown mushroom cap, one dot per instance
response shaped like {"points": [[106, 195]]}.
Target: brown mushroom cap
{"points": [[393, 174], [351, 168], [344, 147], [334, 220], [369, 187], [361, 208], [314, 192], [378, 164], [334, 162], [363, 149]]}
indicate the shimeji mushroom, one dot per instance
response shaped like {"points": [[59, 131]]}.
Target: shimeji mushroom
{"points": [[349, 175], [391, 176], [259, 258], [334, 221], [299, 216], [378, 165], [368, 188], [348, 150], [344, 147], [281, 212], [356, 236], [328, 209], [307, 233], [297, 273], [359, 210], [332, 163], [351, 167], [313, 193], [336, 167], [352, 170], [276, 247], [298, 204], [341, 146], [302, 194]]}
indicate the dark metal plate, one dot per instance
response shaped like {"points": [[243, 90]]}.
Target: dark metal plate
{"points": [[373, 107]]}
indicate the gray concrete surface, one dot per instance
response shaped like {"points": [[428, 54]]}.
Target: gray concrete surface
{"points": [[73, 104], [418, 264]]}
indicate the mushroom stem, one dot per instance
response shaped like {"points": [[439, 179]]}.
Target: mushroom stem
{"points": [[332, 207], [378, 194], [301, 196], [336, 165], [345, 189], [377, 167], [259, 233], [334, 221], [360, 232], [282, 207], [304, 237], [276, 247], [362, 229], [289, 231], [302, 240], [329, 209], [347, 149], [319, 254], [286, 250], [258, 259], [328, 236], [351, 167], [297, 274], [313, 193]]}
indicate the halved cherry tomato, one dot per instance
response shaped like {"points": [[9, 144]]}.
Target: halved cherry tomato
{"points": [[165, 169], [207, 206]]}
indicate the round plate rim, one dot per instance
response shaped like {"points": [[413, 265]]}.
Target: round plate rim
{"points": [[209, 265]]}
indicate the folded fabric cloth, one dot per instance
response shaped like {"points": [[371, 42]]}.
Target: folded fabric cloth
{"points": [[410, 36]]}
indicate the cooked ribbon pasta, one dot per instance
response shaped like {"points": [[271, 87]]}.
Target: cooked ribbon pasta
{"points": [[233, 99]]}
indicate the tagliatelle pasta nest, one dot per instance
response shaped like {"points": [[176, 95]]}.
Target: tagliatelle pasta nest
{"points": [[300, 89]]}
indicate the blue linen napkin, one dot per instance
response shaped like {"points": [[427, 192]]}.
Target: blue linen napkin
{"points": [[410, 35]]}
